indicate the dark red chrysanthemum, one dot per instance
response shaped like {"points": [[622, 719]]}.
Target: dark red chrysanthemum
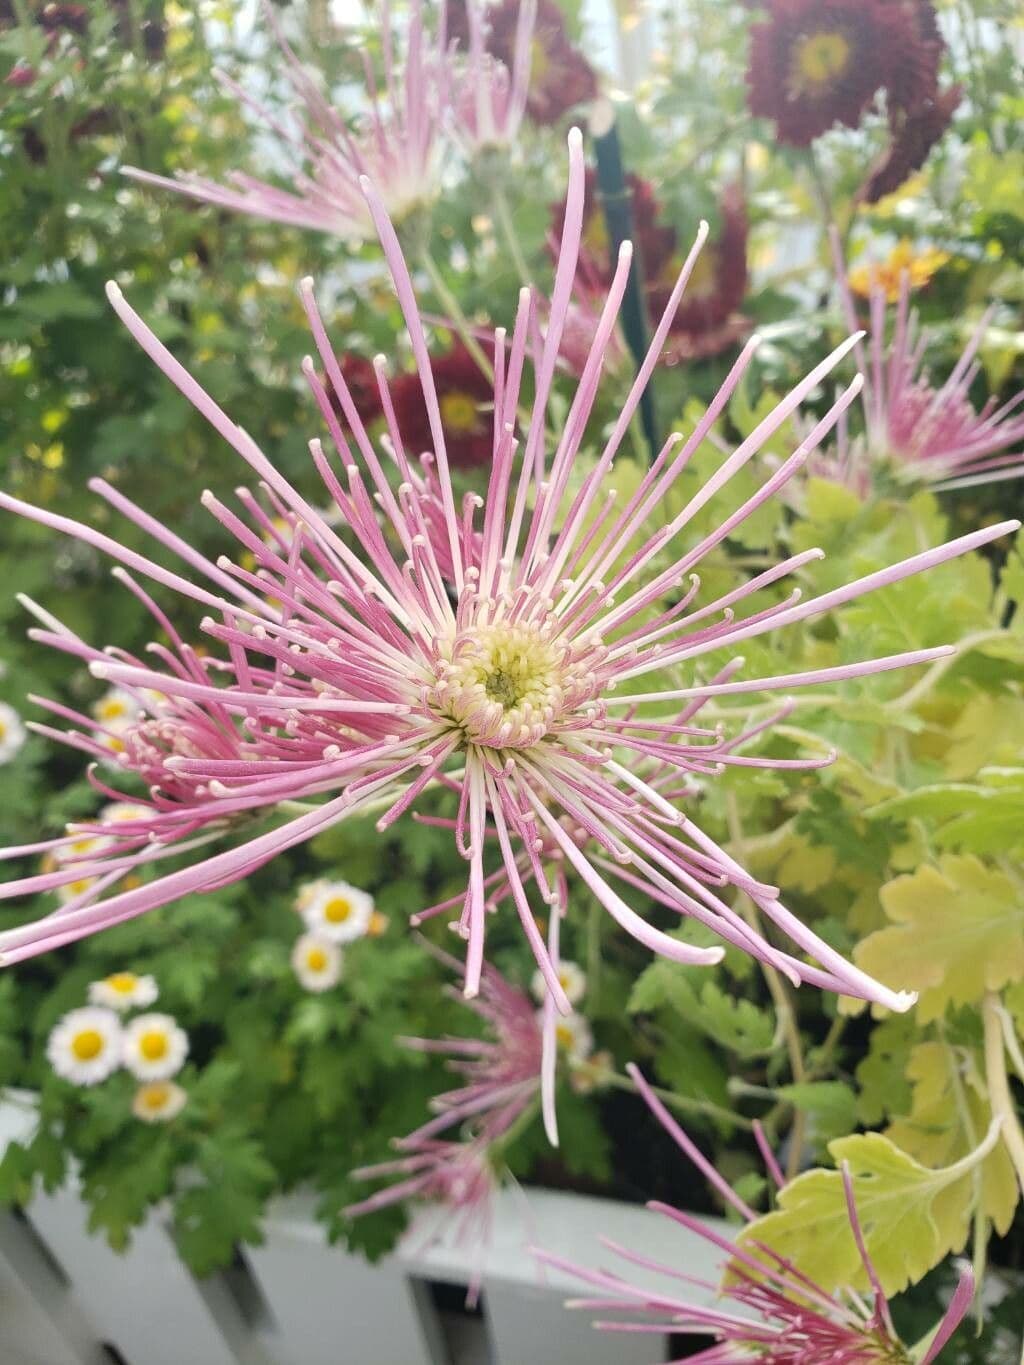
{"points": [[915, 46], [361, 378], [466, 399], [719, 279], [560, 75], [655, 243], [814, 63], [913, 134]]}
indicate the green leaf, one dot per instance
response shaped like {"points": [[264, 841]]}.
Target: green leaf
{"points": [[957, 932], [831, 1105], [949, 1113], [908, 1228]]}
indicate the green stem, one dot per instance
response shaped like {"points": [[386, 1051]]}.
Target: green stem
{"points": [[998, 1084], [453, 310], [682, 1103], [503, 217], [981, 1231], [780, 998]]}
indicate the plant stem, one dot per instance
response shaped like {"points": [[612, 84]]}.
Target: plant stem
{"points": [[981, 1230], [998, 1083], [682, 1103], [780, 999], [503, 217], [454, 313]]}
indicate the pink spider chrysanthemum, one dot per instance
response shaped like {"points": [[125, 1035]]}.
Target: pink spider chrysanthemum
{"points": [[489, 98], [501, 647], [927, 432], [399, 144], [502, 1078], [783, 1316]]}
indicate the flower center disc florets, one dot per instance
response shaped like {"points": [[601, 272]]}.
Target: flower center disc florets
{"points": [[508, 685]]}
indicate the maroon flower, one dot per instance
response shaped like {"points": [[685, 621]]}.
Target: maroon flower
{"points": [[814, 63], [654, 242], [466, 400], [718, 282], [917, 47], [361, 378], [21, 75], [560, 75], [913, 134]]}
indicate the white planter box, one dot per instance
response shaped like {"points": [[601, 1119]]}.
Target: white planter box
{"points": [[67, 1299]]}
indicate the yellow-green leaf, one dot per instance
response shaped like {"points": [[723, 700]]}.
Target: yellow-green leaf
{"points": [[957, 931], [907, 1226], [949, 1114]]}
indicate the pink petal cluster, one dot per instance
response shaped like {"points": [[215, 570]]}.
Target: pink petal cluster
{"points": [[489, 99], [929, 432], [499, 646], [501, 1080], [784, 1317], [399, 144]]}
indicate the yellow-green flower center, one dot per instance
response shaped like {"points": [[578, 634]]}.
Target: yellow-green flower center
{"points": [[316, 959], [122, 982], [459, 413], [337, 910], [817, 60]]}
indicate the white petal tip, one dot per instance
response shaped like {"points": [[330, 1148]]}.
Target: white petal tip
{"points": [[575, 139], [113, 292], [902, 1001]]}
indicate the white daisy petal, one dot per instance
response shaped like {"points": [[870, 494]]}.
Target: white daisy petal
{"points": [[12, 733], [123, 991], [85, 1046], [338, 911], [155, 1047], [316, 961], [158, 1101], [571, 978]]}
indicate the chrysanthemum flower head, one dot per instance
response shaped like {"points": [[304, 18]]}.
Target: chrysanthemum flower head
{"points": [[502, 1076], [501, 649], [155, 1047], [399, 143], [12, 732], [781, 1316], [85, 1046], [338, 911], [158, 1101], [490, 93], [536, 45], [926, 430], [123, 991], [464, 396], [317, 961]]}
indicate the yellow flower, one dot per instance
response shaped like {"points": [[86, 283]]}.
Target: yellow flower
{"points": [[919, 266]]}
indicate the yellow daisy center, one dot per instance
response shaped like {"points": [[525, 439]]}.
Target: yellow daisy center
{"points": [[3, 731], [817, 60], [564, 1035], [337, 910], [111, 709], [87, 1045], [316, 959], [122, 982], [153, 1045], [154, 1097], [459, 413]]}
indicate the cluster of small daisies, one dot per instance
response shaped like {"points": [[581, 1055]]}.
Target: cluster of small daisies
{"points": [[572, 1032], [89, 1044], [334, 913]]}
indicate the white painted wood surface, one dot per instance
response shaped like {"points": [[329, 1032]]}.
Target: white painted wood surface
{"points": [[65, 1296]]}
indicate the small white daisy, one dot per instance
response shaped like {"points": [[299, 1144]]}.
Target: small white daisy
{"points": [[117, 711], [121, 812], [155, 1047], [12, 733], [85, 1046], [317, 962], [338, 911], [123, 991], [574, 1037], [158, 1101], [571, 978]]}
